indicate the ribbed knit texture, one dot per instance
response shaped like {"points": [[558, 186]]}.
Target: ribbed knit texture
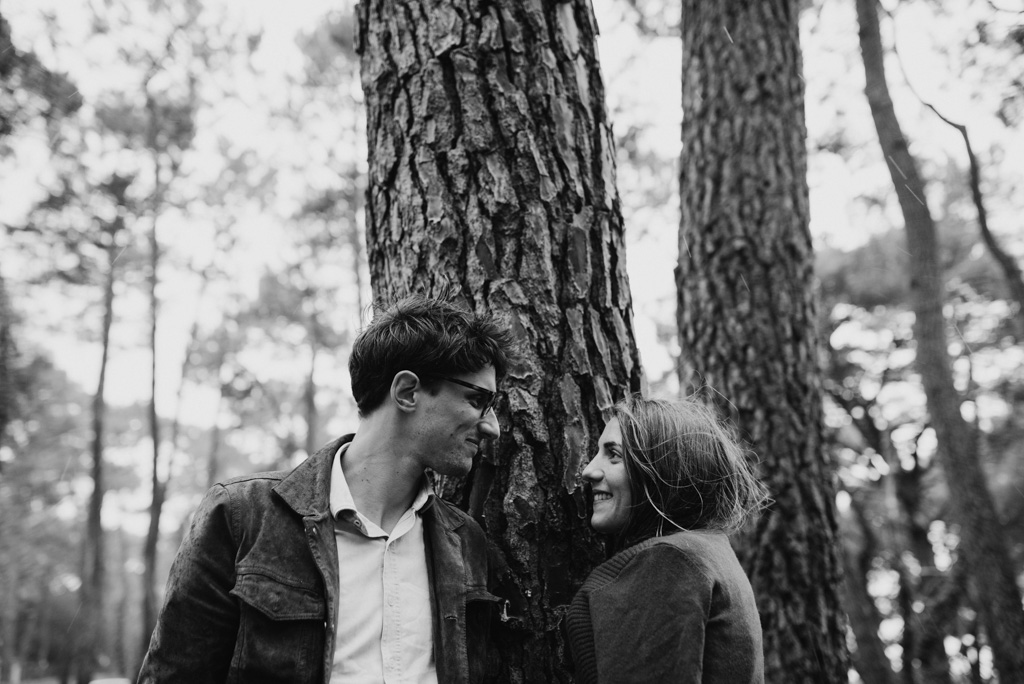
{"points": [[581, 631], [670, 609]]}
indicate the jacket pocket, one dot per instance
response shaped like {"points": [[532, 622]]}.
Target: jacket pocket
{"points": [[281, 631], [278, 600], [482, 609]]}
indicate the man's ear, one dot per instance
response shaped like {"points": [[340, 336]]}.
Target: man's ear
{"points": [[404, 388]]}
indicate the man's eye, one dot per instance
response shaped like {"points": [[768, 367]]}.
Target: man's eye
{"points": [[478, 401]]}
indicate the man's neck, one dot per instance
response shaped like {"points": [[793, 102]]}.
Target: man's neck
{"points": [[381, 476]]}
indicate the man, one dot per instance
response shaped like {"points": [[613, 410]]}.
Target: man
{"points": [[348, 569]]}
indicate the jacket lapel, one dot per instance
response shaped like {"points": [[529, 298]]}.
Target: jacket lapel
{"points": [[307, 491], [447, 587]]}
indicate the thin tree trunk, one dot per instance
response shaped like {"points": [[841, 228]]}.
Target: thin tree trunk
{"points": [[924, 656], [90, 620], [7, 355], [982, 544], [923, 645], [43, 646], [747, 312], [32, 632], [309, 399], [897, 528], [123, 637], [869, 659], [213, 456], [492, 166], [158, 487], [10, 579]]}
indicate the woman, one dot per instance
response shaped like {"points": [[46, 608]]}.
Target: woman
{"points": [[673, 604]]}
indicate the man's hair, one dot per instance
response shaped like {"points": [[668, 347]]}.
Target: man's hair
{"points": [[433, 338], [686, 470]]}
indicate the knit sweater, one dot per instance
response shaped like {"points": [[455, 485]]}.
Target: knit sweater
{"points": [[677, 608]]}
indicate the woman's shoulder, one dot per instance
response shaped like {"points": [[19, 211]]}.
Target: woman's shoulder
{"points": [[685, 547], [705, 551], [694, 541], [655, 567]]}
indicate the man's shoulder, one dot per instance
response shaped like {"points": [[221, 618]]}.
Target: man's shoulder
{"points": [[454, 516], [267, 479], [447, 508]]}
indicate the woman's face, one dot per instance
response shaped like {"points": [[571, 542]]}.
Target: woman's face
{"points": [[609, 482]]}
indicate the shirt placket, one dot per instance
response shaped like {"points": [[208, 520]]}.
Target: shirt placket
{"points": [[392, 637]]}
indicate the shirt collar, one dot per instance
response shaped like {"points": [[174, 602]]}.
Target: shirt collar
{"points": [[341, 495]]}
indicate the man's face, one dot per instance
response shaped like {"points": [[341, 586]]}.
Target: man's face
{"points": [[452, 427]]}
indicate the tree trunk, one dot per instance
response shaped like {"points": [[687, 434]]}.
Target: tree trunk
{"points": [[747, 312], [309, 399], [7, 355], [924, 652], [90, 620], [123, 637], [213, 457], [10, 580], [982, 544], [492, 166], [158, 487], [869, 659], [43, 646]]}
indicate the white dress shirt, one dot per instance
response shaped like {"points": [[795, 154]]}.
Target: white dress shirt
{"points": [[384, 630]]}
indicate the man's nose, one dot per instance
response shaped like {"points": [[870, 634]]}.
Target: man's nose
{"points": [[489, 426]]}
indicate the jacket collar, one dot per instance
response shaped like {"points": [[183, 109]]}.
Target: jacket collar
{"points": [[440, 511], [307, 488]]}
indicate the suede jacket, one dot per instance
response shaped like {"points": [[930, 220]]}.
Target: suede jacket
{"points": [[252, 593]]}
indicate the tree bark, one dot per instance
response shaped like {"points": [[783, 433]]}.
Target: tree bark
{"points": [[491, 166], [747, 312], [982, 544]]}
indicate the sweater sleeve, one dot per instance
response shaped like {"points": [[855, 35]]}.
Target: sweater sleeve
{"points": [[649, 621]]}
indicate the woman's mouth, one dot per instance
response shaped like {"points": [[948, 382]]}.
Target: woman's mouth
{"points": [[601, 496]]}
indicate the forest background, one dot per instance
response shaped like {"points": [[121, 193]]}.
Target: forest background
{"points": [[198, 170]]}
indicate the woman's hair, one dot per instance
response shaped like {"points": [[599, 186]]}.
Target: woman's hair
{"points": [[686, 470]]}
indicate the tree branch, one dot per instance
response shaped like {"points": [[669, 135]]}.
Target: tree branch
{"points": [[1011, 271]]}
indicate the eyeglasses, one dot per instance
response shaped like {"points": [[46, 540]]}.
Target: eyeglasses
{"points": [[491, 396]]}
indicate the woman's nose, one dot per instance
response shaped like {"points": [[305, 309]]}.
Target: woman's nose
{"points": [[592, 472]]}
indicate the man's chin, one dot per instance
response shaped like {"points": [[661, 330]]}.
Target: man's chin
{"points": [[457, 467]]}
